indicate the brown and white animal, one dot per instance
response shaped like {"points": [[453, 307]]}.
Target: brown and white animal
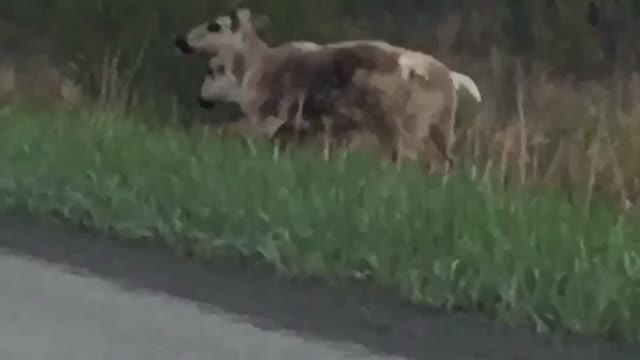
{"points": [[405, 106], [411, 63], [218, 41], [398, 96], [218, 86]]}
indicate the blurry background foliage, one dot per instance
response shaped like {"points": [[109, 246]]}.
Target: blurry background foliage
{"points": [[130, 41]]}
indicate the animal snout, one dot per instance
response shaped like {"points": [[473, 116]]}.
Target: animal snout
{"points": [[207, 104], [183, 45]]}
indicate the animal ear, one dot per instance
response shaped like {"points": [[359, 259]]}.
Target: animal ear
{"points": [[244, 15], [235, 19], [236, 4]]}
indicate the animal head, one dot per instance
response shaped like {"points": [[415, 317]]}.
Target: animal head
{"points": [[222, 37], [209, 38], [242, 17], [218, 85]]}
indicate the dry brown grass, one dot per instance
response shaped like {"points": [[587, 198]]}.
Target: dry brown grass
{"points": [[28, 73], [579, 136]]}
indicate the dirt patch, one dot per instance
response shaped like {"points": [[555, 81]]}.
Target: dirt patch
{"points": [[365, 316]]}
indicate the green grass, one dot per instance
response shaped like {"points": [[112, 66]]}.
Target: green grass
{"points": [[526, 256]]}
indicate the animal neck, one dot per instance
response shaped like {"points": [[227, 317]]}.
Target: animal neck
{"points": [[235, 95], [253, 47]]}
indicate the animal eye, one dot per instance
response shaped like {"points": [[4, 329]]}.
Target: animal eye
{"points": [[214, 27], [209, 72]]}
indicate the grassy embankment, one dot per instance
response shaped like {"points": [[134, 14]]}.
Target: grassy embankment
{"points": [[526, 255]]}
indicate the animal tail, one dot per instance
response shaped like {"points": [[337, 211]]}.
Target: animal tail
{"points": [[466, 82]]}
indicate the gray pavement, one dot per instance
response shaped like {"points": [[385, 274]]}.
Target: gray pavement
{"points": [[48, 313]]}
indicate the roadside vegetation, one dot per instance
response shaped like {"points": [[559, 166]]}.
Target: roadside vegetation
{"points": [[524, 254]]}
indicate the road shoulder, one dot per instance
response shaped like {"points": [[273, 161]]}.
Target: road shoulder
{"points": [[361, 316]]}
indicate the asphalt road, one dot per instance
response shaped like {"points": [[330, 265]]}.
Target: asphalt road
{"points": [[68, 294], [46, 313]]}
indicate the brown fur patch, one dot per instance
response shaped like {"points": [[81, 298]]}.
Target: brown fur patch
{"points": [[407, 117], [323, 76], [363, 84], [238, 67]]}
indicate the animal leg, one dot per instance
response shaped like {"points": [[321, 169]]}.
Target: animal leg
{"points": [[441, 144], [328, 136], [298, 120]]}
